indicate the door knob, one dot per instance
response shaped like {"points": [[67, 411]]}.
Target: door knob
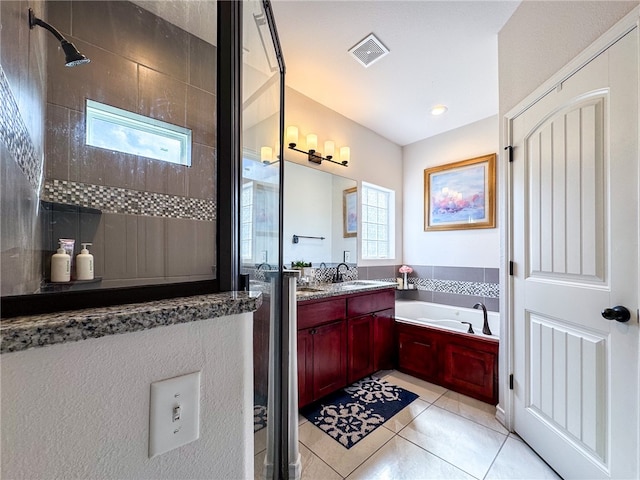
{"points": [[619, 314]]}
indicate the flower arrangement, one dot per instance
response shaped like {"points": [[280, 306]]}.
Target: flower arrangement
{"points": [[404, 270]]}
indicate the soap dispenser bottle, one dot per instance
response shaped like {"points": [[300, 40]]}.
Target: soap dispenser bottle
{"points": [[84, 264], [60, 266]]}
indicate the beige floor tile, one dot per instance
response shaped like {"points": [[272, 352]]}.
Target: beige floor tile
{"points": [[341, 459], [260, 440], [427, 391], [406, 415], [400, 459], [313, 468], [302, 420], [461, 442], [517, 460], [470, 408], [258, 465]]}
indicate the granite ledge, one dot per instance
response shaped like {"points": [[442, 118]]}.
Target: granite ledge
{"points": [[22, 333]]}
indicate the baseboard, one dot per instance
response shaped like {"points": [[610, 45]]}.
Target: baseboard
{"points": [[500, 416]]}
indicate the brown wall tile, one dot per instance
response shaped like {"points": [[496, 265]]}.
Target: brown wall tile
{"points": [[161, 97], [109, 79], [201, 116], [202, 64], [57, 143], [177, 179], [130, 31], [205, 247], [120, 246], [202, 174], [181, 247], [151, 247]]}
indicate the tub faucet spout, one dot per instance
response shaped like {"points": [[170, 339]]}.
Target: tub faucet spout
{"points": [[485, 327], [470, 327]]}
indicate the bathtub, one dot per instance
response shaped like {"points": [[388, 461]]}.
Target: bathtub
{"points": [[433, 345], [446, 317]]}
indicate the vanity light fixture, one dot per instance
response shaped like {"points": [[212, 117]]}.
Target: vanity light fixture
{"points": [[266, 156], [73, 57], [312, 146]]}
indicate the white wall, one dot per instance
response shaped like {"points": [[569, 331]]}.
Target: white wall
{"points": [[541, 37], [374, 159], [308, 210], [81, 409], [456, 248]]}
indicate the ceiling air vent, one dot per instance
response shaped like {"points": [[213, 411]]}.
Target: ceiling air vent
{"points": [[368, 51]]}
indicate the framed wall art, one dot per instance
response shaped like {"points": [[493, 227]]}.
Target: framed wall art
{"points": [[350, 212], [460, 195]]}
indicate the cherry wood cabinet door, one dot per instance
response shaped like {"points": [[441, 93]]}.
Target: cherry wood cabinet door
{"points": [[305, 367], [418, 353], [360, 341], [472, 370], [385, 342], [329, 358]]}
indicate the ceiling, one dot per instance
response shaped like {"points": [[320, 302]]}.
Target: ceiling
{"points": [[441, 52]]}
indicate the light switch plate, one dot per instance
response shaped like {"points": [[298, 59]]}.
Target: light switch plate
{"points": [[174, 413], [346, 256]]}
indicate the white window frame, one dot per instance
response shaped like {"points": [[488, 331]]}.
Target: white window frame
{"points": [[133, 121], [390, 224]]}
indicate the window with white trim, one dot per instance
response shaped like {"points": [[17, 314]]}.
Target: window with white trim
{"points": [[123, 131], [378, 222]]}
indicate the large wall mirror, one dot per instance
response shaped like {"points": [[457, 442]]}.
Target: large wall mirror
{"points": [[317, 205]]}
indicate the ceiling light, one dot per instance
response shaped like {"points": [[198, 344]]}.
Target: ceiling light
{"points": [[439, 109]]}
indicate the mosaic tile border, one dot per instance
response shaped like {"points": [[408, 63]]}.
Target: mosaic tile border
{"points": [[478, 289], [14, 134], [126, 201]]}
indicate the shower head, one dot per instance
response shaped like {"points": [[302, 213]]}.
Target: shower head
{"points": [[72, 56]]}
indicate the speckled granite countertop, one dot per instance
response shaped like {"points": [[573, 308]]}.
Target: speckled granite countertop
{"points": [[326, 290], [21, 333]]}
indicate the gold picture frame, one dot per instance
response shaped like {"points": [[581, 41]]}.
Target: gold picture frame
{"points": [[350, 212], [460, 195]]}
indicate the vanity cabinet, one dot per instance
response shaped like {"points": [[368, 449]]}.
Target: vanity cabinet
{"points": [[322, 349], [370, 333], [343, 339], [464, 363]]}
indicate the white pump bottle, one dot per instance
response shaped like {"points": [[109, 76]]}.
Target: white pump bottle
{"points": [[84, 264]]}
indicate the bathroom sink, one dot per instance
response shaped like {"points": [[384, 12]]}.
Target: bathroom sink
{"points": [[308, 290]]}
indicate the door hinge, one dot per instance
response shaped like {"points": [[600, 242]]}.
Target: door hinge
{"points": [[511, 382], [509, 148], [511, 267]]}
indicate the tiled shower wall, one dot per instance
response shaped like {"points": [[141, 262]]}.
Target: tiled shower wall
{"points": [[458, 286], [22, 92], [158, 219]]}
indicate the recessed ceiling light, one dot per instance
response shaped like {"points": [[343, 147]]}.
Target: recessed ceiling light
{"points": [[439, 109]]}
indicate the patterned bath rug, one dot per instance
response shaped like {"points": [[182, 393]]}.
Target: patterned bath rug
{"points": [[352, 413]]}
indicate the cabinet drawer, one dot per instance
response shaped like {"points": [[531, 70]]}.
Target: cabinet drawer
{"points": [[313, 314], [373, 302]]}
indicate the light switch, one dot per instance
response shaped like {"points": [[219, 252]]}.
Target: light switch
{"points": [[174, 413], [346, 257]]}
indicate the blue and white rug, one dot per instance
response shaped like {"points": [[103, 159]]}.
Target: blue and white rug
{"points": [[352, 413]]}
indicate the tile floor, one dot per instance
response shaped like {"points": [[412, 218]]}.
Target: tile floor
{"points": [[441, 435]]}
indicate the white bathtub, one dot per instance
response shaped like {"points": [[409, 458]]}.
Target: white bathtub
{"points": [[446, 317]]}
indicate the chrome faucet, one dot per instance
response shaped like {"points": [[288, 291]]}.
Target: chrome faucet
{"points": [[485, 327], [339, 276]]}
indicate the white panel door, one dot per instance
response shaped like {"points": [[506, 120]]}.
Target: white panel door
{"points": [[575, 249]]}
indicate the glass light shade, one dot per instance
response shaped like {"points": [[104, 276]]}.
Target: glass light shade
{"points": [[312, 142], [266, 154], [329, 148], [292, 134], [345, 154]]}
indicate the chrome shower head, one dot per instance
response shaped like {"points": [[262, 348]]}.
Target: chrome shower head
{"points": [[72, 56]]}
